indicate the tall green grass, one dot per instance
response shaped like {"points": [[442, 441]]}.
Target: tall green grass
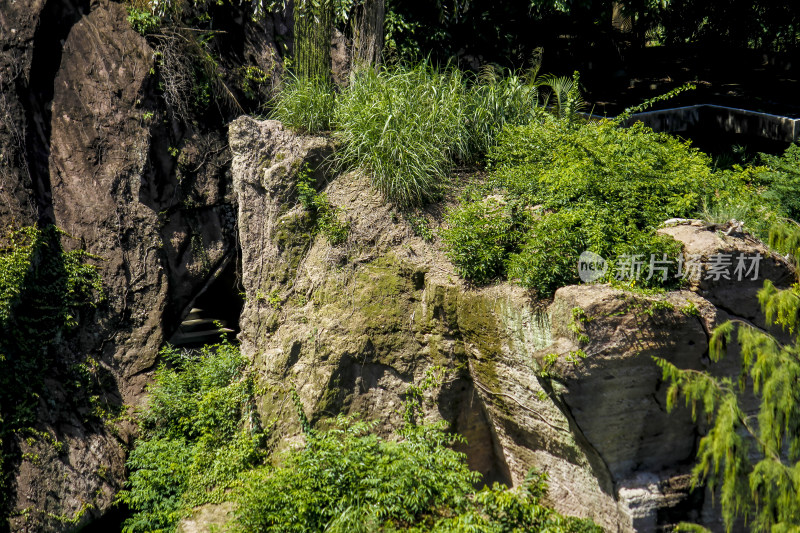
{"points": [[406, 126], [304, 105]]}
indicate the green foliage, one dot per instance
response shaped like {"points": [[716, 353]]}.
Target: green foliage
{"points": [[144, 22], [403, 128], [648, 176], [197, 433], [548, 258], [785, 238], [500, 510], [406, 126], [252, 78], [347, 479], [199, 438], [600, 187], [419, 225], [325, 216], [44, 290], [588, 186], [752, 460], [480, 235], [498, 97], [347, 475], [398, 34], [305, 105], [782, 176], [565, 95], [313, 21], [647, 104]]}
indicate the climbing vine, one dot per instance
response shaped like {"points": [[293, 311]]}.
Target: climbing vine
{"points": [[44, 289]]}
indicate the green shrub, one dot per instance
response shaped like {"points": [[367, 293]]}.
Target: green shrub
{"points": [[197, 433], [349, 480], [549, 256], [645, 177], [305, 105], [589, 186], [782, 177], [480, 235]]}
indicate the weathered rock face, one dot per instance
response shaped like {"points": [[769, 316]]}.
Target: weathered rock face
{"points": [[89, 146], [351, 327], [571, 388], [735, 296], [617, 398], [85, 143]]}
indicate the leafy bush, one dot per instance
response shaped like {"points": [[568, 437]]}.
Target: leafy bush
{"points": [[197, 433], [349, 480], [594, 186], [548, 257], [782, 177], [305, 105], [481, 234], [644, 176]]}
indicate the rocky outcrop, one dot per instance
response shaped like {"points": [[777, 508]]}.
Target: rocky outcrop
{"points": [[351, 327], [570, 387], [87, 144]]}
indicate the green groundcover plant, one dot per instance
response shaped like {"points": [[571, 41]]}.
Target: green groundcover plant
{"points": [[349, 480], [569, 186], [200, 442], [197, 433]]}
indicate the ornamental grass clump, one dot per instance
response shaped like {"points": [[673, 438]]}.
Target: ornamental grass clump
{"points": [[403, 127], [304, 105], [407, 126]]}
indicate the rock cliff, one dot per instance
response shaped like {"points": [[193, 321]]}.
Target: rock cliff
{"points": [[87, 145], [570, 387], [172, 207]]}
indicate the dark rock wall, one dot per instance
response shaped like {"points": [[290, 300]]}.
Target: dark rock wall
{"points": [[86, 143]]}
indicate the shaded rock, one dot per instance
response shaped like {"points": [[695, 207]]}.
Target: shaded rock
{"points": [[615, 393], [75, 85]]}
